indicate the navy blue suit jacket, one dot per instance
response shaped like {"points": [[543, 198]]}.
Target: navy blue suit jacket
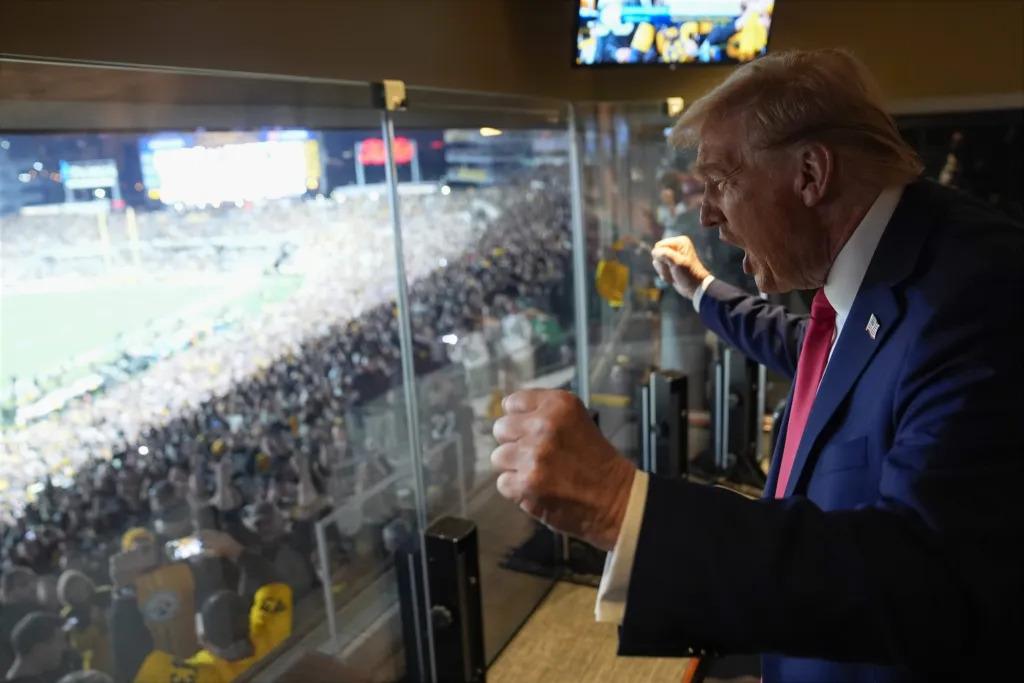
{"points": [[896, 554]]}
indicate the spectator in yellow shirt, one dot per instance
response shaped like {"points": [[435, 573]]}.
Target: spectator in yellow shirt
{"points": [[233, 634]]}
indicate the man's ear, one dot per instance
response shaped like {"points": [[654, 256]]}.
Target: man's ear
{"points": [[816, 165]]}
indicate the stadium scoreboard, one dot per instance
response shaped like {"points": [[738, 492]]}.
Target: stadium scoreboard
{"points": [[212, 168]]}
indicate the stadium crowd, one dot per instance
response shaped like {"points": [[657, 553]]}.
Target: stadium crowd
{"points": [[194, 487]]}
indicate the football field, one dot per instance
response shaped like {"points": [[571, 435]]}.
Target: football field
{"points": [[42, 330]]}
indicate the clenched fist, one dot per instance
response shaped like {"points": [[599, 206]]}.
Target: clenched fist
{"points": [[559, 468], [677, 262]]}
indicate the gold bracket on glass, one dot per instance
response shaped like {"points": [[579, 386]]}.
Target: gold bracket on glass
{"points": [[388, 95], [674, 106]]}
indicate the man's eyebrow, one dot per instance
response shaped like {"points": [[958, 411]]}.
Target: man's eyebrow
{"points": [[703, 168]]}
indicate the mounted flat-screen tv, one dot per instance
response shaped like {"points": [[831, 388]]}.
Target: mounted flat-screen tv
{"points": [[671, 32]]}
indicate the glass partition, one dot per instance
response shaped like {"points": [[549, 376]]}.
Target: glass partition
{"points": [[637, 190], [209, 325], [488, 262], [202, 385]]}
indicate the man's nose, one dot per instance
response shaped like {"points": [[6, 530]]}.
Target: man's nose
{"points": [[710, 216]]}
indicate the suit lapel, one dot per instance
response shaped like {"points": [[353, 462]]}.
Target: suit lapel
{"points": [[894, 259], [853, 351]]}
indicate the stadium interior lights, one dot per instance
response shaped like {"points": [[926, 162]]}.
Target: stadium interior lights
{"points": [[445, 190], [143, 450], [488, 132], [450, 339]]}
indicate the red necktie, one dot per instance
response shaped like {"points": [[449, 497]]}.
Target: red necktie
{"points": [[809, 369]]}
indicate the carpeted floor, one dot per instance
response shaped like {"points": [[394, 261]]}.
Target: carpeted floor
{"points": [[561, 643]]}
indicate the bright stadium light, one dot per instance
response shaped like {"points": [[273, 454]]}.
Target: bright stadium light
{"points": [[143, 450], [488, 132], [445, 190], [38, 166], [450, 339], [99, 193]]}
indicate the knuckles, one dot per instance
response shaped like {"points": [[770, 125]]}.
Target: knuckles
{"points": [[500, 430], [562, 407]]}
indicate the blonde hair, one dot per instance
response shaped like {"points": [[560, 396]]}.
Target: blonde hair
{"points": [[826, 96]]}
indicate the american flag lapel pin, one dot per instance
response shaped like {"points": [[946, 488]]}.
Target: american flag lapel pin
{"points": [[873, 326]]}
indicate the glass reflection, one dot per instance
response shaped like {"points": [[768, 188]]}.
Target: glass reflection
{"points": [[491, 315], [640, 190]]}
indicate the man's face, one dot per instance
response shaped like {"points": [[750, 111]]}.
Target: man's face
{"points": [[754, 201]]}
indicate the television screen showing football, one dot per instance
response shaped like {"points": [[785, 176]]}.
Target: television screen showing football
{"points": [[672, 32]]}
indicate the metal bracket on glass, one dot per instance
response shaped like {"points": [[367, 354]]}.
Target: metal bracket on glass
{"points": [[722, 405], [762, 391], [388, 95], [664, 424], [450, 567], [762, 388]]}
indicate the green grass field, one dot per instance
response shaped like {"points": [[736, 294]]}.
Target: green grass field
{"points": [[39, 331]]}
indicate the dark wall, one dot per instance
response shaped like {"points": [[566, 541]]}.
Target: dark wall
{"points": [[917, 49], [518, 46]]}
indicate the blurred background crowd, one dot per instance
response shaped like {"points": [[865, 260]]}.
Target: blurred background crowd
{"points": [[193, 484]]}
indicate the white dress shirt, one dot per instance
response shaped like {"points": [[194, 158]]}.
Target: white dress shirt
{"points": [[841, 286]]}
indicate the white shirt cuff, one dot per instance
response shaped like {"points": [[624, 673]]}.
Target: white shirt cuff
{"points": [[698, 294], [618, 565]]}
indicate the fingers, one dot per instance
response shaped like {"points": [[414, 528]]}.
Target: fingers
{"points": [[678, 242], [509, 428], [505, 457], [510, 486], [670, 256], [523, 401], [662, 270]]}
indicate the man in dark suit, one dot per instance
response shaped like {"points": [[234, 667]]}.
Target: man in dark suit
{"points": [[884, 547]]}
